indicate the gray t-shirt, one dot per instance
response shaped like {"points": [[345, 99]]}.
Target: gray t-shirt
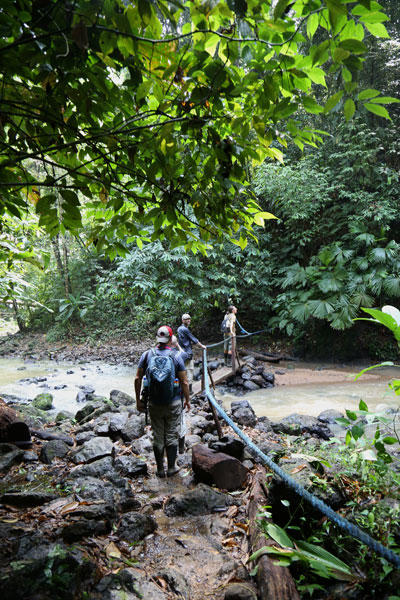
{"points": [[176, 357]]}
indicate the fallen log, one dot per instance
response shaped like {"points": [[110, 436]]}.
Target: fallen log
{"points": [[259, 356], [274, 582], [225, 471], [12, 429]]}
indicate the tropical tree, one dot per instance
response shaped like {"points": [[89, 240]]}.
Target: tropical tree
{"points": [[147, 116]]}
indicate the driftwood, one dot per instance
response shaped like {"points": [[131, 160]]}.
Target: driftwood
{"points": [[274, 583], [259, 356], [209, 466], [12, 429]]}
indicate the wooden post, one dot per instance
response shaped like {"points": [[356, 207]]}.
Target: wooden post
{"points": [[214, 412], [233, 353], [273, 582], [203, 374]]}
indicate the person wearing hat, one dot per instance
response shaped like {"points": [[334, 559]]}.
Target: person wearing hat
{"points": [[165, 417], [186, 339]]}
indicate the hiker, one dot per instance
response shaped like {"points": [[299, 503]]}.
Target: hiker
{"points": [[186, 339], [229, 331], [166, 377], [183, 429]]}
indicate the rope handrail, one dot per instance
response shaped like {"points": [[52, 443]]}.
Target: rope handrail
{"points": [[300, 490], [246, 334]]}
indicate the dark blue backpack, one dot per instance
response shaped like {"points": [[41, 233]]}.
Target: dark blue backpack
{"points": [[160, 375]]}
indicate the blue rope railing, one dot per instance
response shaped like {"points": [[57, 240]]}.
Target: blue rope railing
{"points": [[343, 523]]}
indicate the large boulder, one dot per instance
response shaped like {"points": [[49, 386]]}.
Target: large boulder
{"points": [[93, 449], [201, 501]]}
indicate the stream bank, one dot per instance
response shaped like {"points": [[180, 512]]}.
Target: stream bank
{"points": [[83, 515]]}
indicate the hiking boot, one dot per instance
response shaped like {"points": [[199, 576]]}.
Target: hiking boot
{"points": [[159, 456], [181, 445], [172, 452]]}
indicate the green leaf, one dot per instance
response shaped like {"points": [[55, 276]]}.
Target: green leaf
{"points": [[366, 94], [377, 30], [390, 440], [279, 535], [351, 415], [354, 46], [333, 101], [377, 110], [349, 109], [312, 25], [384, 364]]}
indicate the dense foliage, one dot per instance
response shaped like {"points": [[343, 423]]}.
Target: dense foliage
{"points": [[150, 114], [168, 110]]}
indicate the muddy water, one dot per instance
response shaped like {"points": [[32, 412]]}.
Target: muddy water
{"points": [[330, 387], [102, 377]]}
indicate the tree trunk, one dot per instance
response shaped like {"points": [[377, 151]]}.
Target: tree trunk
{"points": [[274, 583], [18, 318], [67, 279], [262, 357]]}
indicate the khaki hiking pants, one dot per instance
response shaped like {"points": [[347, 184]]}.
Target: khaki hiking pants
{"points": [[166, 423]]}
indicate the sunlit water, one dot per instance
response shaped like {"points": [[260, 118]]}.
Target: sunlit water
{"points": [[275, 403], [312, 399]]}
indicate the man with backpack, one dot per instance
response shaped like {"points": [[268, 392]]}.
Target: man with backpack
{"points": [[186, 339], [165, 377]]}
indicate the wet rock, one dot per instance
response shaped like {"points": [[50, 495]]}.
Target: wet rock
{"points": [[296, 424], [330, 416], [29, 457], [191, 440], [43, 401], [272, 449], [53, 434], [130, 466], [264, 425], [135, 526], [98, 468], [229, 445], [81, 397], [243, 413], [53, 449], [64, 415], [122, 398], [250, 386], [268, 377], [133, 428], [93, 409], [93, 449], [93, 489], [9, 456], [84, 528], [200, 501], [240, 591], [87, 389], [176, 582], [31, 579], [84, 436], [128, 584], [258, 380]]}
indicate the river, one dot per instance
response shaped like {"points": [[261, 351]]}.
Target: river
{"points": [[322, 392]]}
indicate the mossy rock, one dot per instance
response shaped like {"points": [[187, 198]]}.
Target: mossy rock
{"points": [[43, 401], [32, 415]]}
